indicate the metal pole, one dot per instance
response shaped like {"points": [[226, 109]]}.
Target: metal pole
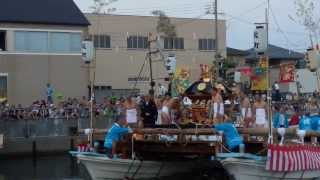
{"points": [[269, 98], [91, 106], [92, 77]]}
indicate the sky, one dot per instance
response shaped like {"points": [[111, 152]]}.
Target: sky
{"points": [[240, 16]]}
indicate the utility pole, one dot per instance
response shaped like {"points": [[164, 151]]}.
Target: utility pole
{"points": [[151, 73], [216, 32], [151, 39], [261, 45], [216, 28]]}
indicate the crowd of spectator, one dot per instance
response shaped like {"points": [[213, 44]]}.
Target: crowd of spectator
{"points": [[71, 108]]}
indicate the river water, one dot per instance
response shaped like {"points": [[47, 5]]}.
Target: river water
{"points": [[56, 167], [61, 167]]}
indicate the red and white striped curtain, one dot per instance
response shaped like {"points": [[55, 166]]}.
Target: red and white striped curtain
{"points": [[293, 158]]}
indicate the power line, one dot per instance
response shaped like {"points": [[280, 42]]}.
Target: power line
{"points": [[279, 28], [271, 29], [163, 7], [250, 10]]}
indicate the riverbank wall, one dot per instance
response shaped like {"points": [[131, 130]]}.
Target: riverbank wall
{"points": [[44, 136]]}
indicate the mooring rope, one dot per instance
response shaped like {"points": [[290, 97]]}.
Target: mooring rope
{"points": [[137, 170]]}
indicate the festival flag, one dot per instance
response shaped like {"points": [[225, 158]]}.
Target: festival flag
{"points": [[287, 73]]}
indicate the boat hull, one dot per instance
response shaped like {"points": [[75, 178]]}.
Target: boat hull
{"points": [[105, 168], [243, 169]]}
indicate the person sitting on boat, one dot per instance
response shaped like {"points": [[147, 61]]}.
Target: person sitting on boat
{"points": [[280, 118], [259, 110], [115, 134]]}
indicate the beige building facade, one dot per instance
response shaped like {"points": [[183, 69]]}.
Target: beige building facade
{"points": [[121, 49], [27, 71], [38, 47]]}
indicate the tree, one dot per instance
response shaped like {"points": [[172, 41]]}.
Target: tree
{"points": [[164, 24], [307, 17], [99, 5]]}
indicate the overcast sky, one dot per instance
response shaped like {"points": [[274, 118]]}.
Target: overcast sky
{"points": [[240, 15]]}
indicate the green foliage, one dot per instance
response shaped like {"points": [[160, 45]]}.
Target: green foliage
{"points": [[228, 64], [164, 24], [99, 5], [306, 16]]}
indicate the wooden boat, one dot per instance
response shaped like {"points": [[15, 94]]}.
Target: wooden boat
{"points": [[164, 151], [250, 169], [102, 167], [243, 166]]}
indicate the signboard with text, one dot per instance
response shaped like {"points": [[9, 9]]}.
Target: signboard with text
{"points": [[261, 38]]}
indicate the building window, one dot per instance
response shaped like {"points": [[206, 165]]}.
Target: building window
{"points": [[29, 41], [47, 42], [3, 87], [207, 44], [61, 42], [173, 43], [137, 42], [102, 41], [3, 41]]}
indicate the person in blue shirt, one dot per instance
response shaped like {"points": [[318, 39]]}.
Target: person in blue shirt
{"points": [[115, 134], [49, 94], [233, 138], [305, 123], [280, 118]]}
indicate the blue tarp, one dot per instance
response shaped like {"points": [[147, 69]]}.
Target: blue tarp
{"points": [[233, 139]]}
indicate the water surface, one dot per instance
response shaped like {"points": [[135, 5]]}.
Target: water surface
{"points": [[57, 167]]}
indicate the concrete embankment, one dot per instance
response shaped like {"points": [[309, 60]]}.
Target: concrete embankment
{"points": [[39, 145], [45, 136]]}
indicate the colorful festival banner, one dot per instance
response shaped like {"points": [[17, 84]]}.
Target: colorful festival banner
{"points": [[263, 63], [259, 82], [287, 73], [180, 82], [259, 79]]}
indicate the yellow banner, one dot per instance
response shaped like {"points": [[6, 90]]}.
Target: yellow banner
{"points": [[259, 83], [263, 63]]}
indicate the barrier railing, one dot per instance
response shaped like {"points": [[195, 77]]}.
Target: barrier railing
{"points": [[48, 127]]}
